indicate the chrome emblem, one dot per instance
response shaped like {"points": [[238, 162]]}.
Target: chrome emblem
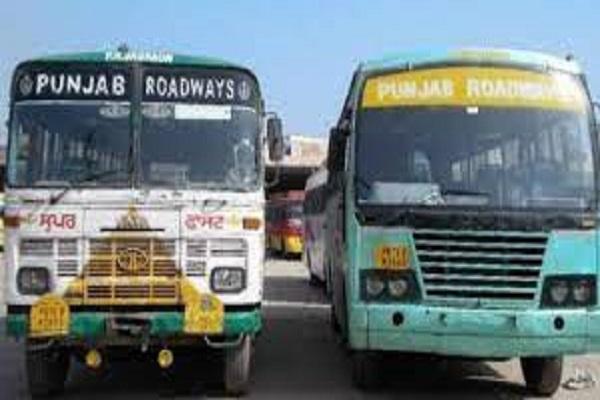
{"points": [[132, 260]]}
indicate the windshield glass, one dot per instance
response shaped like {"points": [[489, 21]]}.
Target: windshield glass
{"points": [[60, 143], [198, 146], [434, 142]]}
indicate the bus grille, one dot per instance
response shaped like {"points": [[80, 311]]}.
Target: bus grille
{"points": [[480, 265], [108, 280]]}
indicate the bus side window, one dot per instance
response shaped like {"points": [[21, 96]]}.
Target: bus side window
{"points": [[336, 157]]}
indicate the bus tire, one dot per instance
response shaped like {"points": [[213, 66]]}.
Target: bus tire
{"points": [[366, 369], [47, 371], [542, 374], [237, 368]]}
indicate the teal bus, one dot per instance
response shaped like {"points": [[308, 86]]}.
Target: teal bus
{"points": [[462, 206]]}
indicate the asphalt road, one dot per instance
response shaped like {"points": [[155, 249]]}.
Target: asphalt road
{"points": [[297, 357]]}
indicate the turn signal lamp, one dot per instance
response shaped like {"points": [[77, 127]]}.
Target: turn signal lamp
{"points": [[12, 221], [251, 224]]}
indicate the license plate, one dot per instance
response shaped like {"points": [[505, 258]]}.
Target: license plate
{"points": [[49, 317], [205, 316], [391, 257]]}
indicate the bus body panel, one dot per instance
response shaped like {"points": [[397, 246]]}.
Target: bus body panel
{"points": [[503, 322], [145, 251]]}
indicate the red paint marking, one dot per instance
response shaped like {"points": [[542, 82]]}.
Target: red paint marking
{"points": [[206, 221], [60, 221]]}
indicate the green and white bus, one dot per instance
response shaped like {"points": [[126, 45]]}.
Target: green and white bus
{"points": [[463, 211], [134, 211]]}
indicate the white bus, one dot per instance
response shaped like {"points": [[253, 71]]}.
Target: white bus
{"points": [[135, 210], [314, 225]]}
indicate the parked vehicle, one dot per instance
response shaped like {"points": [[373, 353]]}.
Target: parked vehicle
{"points": [[284, 223], [136, 212], [462, 215], [314, 224]]}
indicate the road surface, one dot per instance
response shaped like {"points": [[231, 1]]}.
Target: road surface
{"points": [[297, 357]]}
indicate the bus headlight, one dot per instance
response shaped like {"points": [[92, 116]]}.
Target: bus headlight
{"points": [[582, 291], [228, 279], [374, 286], [569, 291], [398, 287], [33, 281], [559, 290], [388, 286]]}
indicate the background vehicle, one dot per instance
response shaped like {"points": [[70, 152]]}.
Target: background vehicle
{"points": [[314, 224], [462, 215], [284, 223], [135, 210]]}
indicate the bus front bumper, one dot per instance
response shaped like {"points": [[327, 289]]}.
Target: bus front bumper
{"points": [[164, 326], [485, 333]]}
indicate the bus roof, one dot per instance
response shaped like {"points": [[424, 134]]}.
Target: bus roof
{"points": [[472, 55], [125, 56]]}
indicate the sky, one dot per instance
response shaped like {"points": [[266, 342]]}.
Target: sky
{"points": [[303, 51]]}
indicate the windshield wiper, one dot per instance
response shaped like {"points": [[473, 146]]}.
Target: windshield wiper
{"points": [[86, 178]]}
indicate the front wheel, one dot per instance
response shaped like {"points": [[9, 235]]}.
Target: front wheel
{"points": [[47, 371], [237, 367], [542, 374]]}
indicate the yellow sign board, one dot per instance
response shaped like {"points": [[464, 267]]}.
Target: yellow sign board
{"points": [[49, 317], [391, 257], [475, 86], [204, 313]]}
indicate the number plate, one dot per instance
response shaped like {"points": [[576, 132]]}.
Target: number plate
{"points": [[205, 316], [49, 317], [391, 257]]}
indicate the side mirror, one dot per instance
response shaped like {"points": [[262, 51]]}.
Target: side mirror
{"points": [[275, 140], [596, 110], [335, 153]]}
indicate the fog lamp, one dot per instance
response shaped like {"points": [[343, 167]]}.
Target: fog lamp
{"points": [[93, 359], [165, 358]]}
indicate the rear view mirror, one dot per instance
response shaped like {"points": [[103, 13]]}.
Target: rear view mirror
{"points": [[275, 140], [596, 106]]}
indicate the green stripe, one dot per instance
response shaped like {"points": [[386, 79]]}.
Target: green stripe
{"points": [[92, 325]]}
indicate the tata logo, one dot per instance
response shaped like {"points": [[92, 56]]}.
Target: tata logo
{"points": [[132, 260]]}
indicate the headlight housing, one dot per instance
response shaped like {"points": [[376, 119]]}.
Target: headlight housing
{"points": [[379, 285], [33, 280], [228, 279], [569, 291]]}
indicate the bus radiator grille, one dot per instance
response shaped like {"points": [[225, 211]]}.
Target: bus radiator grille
{"points": [[480, 265]]}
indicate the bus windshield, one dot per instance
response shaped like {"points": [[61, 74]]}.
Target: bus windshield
{"points": [[181, 150], [515, 154], [58, 143], [181, 128]]}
